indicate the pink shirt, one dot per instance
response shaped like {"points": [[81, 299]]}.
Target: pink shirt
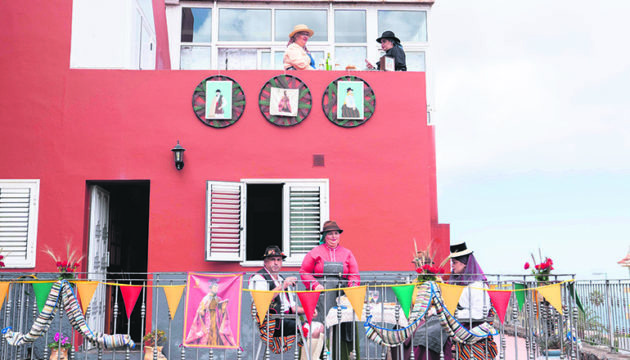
{"points": [[295, 56], [314, 264]]}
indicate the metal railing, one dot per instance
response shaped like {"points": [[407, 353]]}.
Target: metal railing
{"points": [[527, 332]]}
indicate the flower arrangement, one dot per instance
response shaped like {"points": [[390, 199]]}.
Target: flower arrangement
{"points": [[423, 260], [61, 342], [428, 272], [1, 259], [154, 338], [542, 269], [66, 267]]}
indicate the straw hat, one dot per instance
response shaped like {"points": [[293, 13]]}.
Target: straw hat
{"points": [[458, 250], [301, 27]]}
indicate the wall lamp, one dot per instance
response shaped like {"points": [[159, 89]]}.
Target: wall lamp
{"points": [[178, 152]]}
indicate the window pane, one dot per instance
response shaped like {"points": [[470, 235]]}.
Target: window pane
{"points": [[244, 25], [407, 25], [265, 58], [314, 19], [196, 25], [349, 55], [195, 58], [277, 58], [416, 61], [238, 59], [350, 26]]}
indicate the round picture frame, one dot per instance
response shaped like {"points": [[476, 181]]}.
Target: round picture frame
{"points": [[302, 106], [237, 100], [329, 103]]}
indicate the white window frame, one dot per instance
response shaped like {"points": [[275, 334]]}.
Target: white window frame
{"points": [[372, 47], [293, 259], [31, 233]]}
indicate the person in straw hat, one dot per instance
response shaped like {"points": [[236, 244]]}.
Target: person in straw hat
{"points": [[297, 56]]}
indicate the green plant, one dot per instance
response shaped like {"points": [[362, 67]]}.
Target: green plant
{"points": [[155, 337], [60, 342], [596, 297]]}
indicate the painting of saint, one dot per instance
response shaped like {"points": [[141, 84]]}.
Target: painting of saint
{"points": [[283, 102], [218, 99], [212, 322], [350, 100]]}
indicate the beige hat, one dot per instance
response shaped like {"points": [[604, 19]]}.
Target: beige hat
{"points": [[301, 27]]}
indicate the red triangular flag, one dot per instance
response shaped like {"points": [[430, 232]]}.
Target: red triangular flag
{"points": [[130, 296], [309, 302], [500, 300]]}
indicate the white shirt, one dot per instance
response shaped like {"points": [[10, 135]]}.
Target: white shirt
{"points": [[258, 282], [472, 303]]}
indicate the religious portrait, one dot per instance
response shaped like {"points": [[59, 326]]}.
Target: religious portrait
{"points": [[283, 102], [213, 309], [218, 99], [350, 100]]}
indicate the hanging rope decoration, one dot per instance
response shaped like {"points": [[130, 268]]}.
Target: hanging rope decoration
{"points": [[61, 290]]}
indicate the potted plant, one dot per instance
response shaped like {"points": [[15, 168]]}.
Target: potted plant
{"points": [[154, 339], [59, 348], [552, 346]]}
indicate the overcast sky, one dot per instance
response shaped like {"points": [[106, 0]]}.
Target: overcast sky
{"points": [[533, 131]]}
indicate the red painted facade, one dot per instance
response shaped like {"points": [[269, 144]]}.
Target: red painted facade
{"points": [[66, 127]]}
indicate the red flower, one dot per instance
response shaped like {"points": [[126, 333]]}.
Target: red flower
{"points": [[526, 266]]}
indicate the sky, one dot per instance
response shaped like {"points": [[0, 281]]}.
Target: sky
{"points": [[532, 115]]}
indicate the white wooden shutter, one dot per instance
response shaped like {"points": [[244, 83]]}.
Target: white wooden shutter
{"points": [[224, 219], [18, 222], [306, 209]]}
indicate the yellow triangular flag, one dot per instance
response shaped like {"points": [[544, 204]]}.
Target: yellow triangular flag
{"points": [[493, 286], [450, 296], [356, 296], [553, 294], [4, 289], [86, 291], [173, 295], [262, 299]]}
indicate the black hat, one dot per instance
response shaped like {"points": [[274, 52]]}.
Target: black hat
{"points": [[388, 35], [272, 251], [458, 250]]}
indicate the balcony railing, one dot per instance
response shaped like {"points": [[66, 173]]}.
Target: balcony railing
{"points": [[532, 325]]}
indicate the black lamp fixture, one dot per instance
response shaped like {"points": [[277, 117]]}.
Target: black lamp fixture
{"points": [[178, 152]]}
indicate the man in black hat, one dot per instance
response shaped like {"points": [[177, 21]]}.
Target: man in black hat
{"points": [[391, 45]]}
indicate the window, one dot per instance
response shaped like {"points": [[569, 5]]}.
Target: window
{"points": [[244, 25], [196, 38], [409, 26], [316, 20], [18, 222], [243, 218]]}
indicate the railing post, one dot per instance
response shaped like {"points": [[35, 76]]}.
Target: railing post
{"points": [[609, 315]]}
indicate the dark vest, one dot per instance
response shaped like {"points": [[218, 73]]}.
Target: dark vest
{"points": [[276, 304]]}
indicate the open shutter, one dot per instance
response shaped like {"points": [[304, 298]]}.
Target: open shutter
{"points": [[307, 210], [18, 222], [224, 218]]}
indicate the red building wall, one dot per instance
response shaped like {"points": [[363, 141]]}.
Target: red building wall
{"points": [[66, 127]]}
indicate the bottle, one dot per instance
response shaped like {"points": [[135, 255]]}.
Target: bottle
{"points": [[328, 62]]}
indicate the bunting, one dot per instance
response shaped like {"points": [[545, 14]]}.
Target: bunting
{"points": [[553, 294], [500, 300], [173, 295], [86, 291], [262, 300], [130, 295], [42, 289], [309, 302], [451, 295], [404, 294], [4, 289], [519, 289], [356, 296], [574, 294]]}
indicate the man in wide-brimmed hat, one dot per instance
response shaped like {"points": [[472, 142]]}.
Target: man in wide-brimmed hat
{"points": [[391, 45], [297, 56]]}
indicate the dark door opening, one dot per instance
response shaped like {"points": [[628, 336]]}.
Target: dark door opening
{"points": [[264, 218], [128, 248]]}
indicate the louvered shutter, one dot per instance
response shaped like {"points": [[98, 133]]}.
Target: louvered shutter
{"points": [[307, 210], [224, 205], [18, 221]]}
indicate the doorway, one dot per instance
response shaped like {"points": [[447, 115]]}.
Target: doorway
{"points": [[118, 248], [264, 218]]}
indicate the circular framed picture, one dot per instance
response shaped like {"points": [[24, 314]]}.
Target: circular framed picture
{"points": [[285, 100], [348, 101], [218, 101]]}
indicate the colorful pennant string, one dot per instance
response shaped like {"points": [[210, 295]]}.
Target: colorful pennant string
{"points": [[356, 296], [173, 296], [262, 299], [309, 302], [404, 294], [451, 295], [130, 295], [500, 300], [4, 289], [42, 289], [86, 291]]}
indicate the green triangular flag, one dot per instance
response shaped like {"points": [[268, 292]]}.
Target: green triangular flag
{"points": [[519, 291], [404, 294], [572, 292], [42, 289]]}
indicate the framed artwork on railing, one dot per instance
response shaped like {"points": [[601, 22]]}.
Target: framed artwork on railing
{"points": [[218, 101], [285, 100], [348, 101]]}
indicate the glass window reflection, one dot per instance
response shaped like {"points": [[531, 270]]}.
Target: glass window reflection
{"points": [[349, 55], [314, 19], [416, 61], [350, 26], [196, 25], [407, 25], [195, 58], [244, 25]]}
